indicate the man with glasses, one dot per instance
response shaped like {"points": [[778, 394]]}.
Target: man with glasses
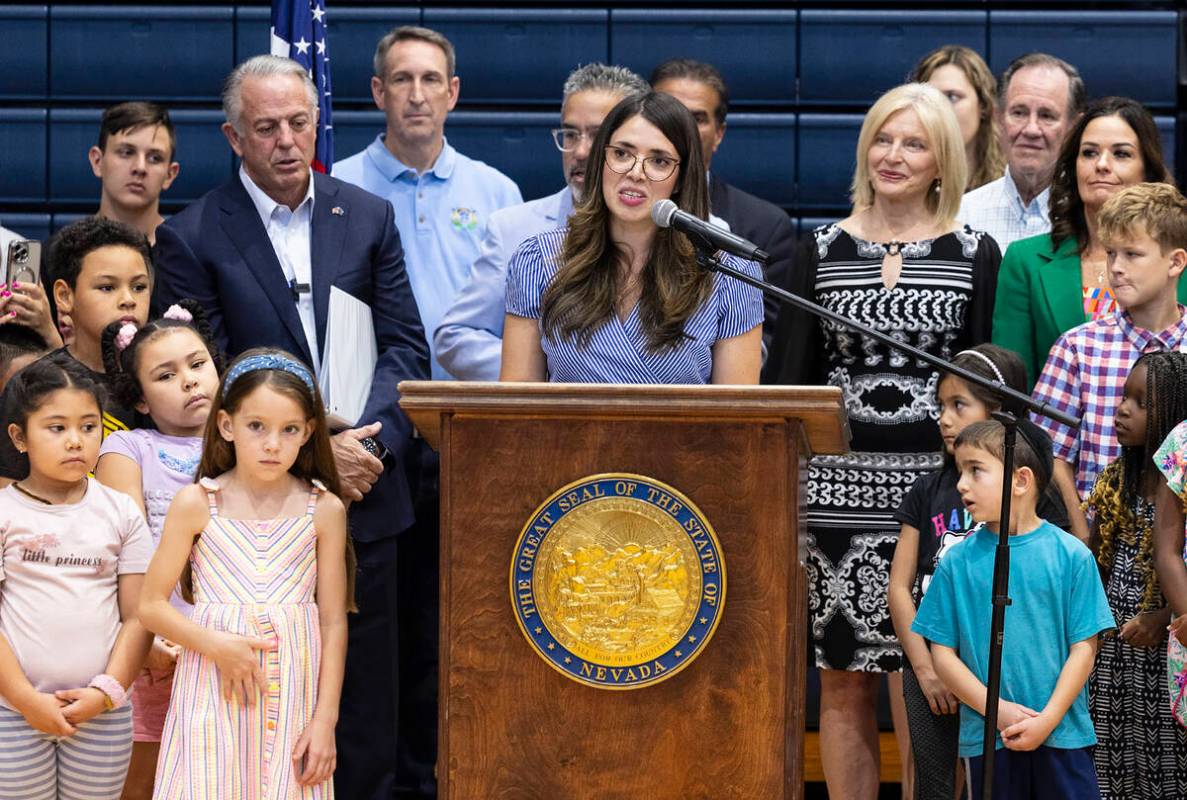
{"points": [[443, 200], [702, 90], [469, 341]]}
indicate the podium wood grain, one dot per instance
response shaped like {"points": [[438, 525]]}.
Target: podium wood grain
{"points": [[730, 724]]}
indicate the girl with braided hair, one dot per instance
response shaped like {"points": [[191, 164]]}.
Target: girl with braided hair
{"points": [[1141, 753], [169, 370]]}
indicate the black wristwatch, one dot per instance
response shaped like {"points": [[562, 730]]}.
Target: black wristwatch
{"points": [[374, 447]]}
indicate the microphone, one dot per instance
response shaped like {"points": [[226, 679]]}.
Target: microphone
{"points": [[666, 214]]}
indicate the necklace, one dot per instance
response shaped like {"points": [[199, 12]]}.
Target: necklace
{"points": [[27, 493]]}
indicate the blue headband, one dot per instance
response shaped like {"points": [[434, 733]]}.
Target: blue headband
{"points": [[267, 361]]}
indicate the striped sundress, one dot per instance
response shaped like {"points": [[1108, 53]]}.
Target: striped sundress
{"points": [[255, 578]]}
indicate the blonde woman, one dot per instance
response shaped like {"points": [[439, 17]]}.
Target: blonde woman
{"points": [[964, 78], [902, 264]]}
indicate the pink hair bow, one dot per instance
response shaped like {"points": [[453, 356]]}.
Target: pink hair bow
{"points": [[125, 336]]}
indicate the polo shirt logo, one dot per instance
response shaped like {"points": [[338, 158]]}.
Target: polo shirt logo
{"points": [[463, 219]]}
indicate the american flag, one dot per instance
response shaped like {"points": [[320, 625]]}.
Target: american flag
{"points": [[299, 33]]}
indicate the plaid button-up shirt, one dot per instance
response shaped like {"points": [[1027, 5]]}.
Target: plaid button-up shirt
{"points": [[1085, 376]]}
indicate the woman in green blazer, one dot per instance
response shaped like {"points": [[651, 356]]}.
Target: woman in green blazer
{"points": [[1046, 283]]}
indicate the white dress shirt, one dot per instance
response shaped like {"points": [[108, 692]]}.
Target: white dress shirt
{"points": [[291, 234], [997, 209]]}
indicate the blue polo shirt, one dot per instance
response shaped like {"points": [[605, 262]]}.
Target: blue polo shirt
{"points": [[441, 216]]}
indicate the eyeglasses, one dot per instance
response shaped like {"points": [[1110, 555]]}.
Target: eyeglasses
{"points": [[568, 139], [655, 168]]}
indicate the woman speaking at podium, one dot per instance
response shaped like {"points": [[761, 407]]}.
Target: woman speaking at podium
{"points": [[614, 298]]}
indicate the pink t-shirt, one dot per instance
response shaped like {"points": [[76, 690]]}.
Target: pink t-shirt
{"points": [[59, 568]]}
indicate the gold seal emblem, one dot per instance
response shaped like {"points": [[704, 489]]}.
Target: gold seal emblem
{"points": [[618, 580]]}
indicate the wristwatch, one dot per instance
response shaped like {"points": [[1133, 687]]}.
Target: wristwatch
{"points": [[374, 447]]}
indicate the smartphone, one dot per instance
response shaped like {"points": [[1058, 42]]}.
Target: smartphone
{"points": [[24, 261]]}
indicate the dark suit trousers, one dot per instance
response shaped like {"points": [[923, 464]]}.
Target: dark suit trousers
{"points": [[418, 587], [367, 714]]}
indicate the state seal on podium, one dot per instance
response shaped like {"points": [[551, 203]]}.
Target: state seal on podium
{"points": [[618, 581]]}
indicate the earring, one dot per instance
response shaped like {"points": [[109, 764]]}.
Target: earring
{"points": [[938, 184]]}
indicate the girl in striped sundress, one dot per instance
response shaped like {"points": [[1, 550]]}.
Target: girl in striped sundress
{"points": [[261, 549]]}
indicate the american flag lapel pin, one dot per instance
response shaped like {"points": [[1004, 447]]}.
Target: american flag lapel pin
{"points": [[338, 211]]}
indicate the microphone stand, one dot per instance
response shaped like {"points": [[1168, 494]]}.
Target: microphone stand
{"points": [[1000, 598]]}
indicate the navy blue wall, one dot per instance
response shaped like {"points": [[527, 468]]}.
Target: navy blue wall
{"points": [[800, 79]]}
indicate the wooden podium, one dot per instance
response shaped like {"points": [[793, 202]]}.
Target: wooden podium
{"points": [[730, 725]]}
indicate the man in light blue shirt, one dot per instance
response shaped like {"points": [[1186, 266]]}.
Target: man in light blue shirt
{"points": [[469, 340], [443, 200], [1040, 97]]}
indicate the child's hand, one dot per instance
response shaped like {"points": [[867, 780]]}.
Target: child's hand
{"points": [[1178, 629], [81, 704], [1009, 714], [938, 697], [1028, 734], [316, 748], [44, 712], [162, 658], [239, 665], [1144, 630]]}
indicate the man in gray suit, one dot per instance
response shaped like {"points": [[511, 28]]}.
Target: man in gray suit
{"points": [[469, 340]]}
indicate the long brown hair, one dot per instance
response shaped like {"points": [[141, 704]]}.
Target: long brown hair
{"points": [[987, 145], [582, 294], [1067, 208], [315, 461]]}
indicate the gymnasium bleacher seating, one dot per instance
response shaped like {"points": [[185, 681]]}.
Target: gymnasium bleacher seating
{"points": [[800, 76]]}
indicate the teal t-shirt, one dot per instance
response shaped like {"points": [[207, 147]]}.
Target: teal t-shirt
{"points": [[1058, 600]]}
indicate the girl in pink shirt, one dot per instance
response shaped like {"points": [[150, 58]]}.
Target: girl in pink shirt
{"points": [[72, 559], [169, 370]]}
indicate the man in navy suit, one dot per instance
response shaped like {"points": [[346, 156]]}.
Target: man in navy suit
{"points": [[260, 253]]}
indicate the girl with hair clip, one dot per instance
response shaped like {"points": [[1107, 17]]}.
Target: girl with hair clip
{"points": [[72, 560], [934, 520], [260, 547], [1141, 753], [168, 370]]}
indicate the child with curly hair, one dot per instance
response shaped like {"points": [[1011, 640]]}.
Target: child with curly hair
{"points": [[1141, 753]]}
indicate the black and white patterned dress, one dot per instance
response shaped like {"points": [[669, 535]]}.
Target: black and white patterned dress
{"points": [[942, 303], [1141, 752]]}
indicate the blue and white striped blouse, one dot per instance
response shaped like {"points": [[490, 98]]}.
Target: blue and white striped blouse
{"points": [[617, 351]]}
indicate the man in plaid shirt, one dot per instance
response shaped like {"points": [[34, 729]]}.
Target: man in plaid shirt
{"points": [[1144, 228]]}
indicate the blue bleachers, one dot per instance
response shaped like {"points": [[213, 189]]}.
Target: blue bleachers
{"points": [[826, 144], [799, 79], [25, 34], [202, 151], [759, 155], [547, 45], [854, 56], [23, 152], [31, 226], [354, 32], [754, 50], [150, 52], [1131, 53]]}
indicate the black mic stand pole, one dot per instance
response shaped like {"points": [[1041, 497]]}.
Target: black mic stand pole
{"points": [[1000, 598]]}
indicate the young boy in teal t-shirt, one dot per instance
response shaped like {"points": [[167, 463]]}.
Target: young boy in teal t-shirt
{"points": [[1058, 608]]}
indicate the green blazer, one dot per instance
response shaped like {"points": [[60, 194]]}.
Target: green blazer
{"points": [[1039, 296]]}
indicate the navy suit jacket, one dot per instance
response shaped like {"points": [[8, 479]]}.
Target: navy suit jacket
{"points": [[218, 252], [769, 227]]}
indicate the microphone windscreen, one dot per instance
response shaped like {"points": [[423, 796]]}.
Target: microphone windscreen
{"points": [[662, 213]]}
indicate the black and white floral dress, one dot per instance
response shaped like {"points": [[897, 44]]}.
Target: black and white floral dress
{"points": [[942, 303]]}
